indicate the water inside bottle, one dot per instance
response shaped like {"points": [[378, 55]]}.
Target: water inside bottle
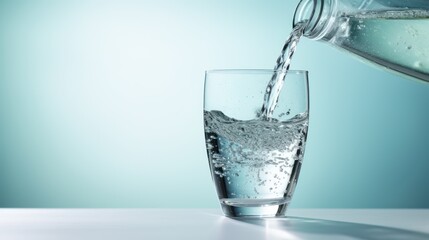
{"points": [[397, 40]]}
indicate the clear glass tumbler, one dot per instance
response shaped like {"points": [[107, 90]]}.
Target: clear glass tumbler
{"points": [[254, 161]]}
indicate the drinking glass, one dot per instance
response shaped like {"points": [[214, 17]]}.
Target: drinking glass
{"points": [[254, 159]]}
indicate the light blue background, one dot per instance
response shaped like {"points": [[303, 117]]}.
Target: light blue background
{"points": [[101, 106]]}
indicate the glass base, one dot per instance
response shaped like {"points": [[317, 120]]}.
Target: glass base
{"points": [[264, 208]]}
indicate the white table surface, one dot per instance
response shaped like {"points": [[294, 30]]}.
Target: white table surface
{"points": [[142, 224]]}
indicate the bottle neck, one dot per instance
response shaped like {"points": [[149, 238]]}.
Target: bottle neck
{"points": [[318, 16]]}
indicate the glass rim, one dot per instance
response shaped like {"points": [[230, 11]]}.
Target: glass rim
{"points": [[262, 71]]}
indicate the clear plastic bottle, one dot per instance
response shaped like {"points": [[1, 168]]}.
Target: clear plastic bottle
{"points": [[391, 33]]}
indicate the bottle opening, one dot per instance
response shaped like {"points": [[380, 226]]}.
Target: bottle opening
{"points": [[304, 12], [308, 12], [316, 15]]}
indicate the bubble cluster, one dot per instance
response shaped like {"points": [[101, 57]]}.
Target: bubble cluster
{"points": [[255, 157], [394, 14]]}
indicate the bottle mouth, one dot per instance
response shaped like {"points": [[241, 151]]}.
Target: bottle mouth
{"points": [[308, 12], [316, 17]]}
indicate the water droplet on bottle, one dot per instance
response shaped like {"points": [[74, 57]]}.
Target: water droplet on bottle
{"points": [[418, 64]]}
